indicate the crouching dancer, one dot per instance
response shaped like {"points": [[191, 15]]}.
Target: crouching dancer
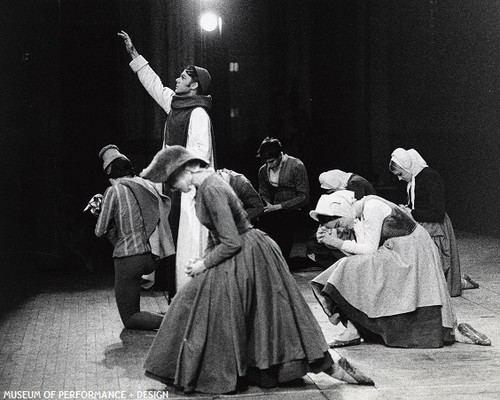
{"points": [[241, 319], [134, 217], [392, 284]]}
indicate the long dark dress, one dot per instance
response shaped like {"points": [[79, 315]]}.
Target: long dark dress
{"points": [[243, 317], [429, 211], [398, 292]]}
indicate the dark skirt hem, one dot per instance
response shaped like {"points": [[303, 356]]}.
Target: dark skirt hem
{"points": [[421, 328], [265, 378]]}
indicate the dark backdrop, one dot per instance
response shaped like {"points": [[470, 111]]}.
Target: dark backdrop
{"points": [[341, 83]]}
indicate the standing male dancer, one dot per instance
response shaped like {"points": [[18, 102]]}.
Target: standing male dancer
{"points": [[188, 124]]}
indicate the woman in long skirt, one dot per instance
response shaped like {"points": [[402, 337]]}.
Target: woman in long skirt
{"points": [[426, 203], [242, 318], [391, 284]]}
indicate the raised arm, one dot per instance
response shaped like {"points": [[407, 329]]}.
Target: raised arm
{"points": [[129, 46], [148, 78]]}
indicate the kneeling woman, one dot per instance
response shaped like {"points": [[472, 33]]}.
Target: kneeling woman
{"points": [[242, 318], [392, 284]]}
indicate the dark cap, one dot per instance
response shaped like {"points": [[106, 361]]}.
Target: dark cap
{"points": [[110, 153], [204, 78]]}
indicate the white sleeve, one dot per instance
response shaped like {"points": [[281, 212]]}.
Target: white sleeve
{"points": [[199, 138], [152, 83], [369, 229]]}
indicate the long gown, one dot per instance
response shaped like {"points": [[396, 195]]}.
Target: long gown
{"points": [[244, 317], [398, 293], [429, 211]]}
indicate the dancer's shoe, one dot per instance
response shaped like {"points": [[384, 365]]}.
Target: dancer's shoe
{"points": [[348, 337], [344, 371], [468, 282], [471, 336], [344, 343]]}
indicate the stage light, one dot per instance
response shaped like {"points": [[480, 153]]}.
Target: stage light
{"points": [[209, 21]]}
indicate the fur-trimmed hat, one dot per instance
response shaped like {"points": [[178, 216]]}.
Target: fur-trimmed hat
{"points": [[166, 162], [110, 153], [204, 78]]}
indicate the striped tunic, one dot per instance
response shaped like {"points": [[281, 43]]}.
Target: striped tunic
{"points": [[121, 221]]}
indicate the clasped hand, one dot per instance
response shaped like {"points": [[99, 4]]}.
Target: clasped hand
{"points": [[328, 236], [195, 267]]}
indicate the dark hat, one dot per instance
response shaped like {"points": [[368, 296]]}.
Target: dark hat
{"points": [[166, 162], [204, 78], [110, 153]]}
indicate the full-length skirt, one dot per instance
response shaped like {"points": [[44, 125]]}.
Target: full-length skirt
{"points": [[398, 293], [444, 237], [244, 318]]}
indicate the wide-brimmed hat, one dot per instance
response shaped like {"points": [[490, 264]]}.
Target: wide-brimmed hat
{"points": [[166, 162], [110, 153]]}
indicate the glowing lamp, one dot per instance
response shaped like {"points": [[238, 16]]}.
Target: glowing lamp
{"points": [[209, 21]]}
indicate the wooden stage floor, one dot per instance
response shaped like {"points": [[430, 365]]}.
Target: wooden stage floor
{"points": [[61, 336]]}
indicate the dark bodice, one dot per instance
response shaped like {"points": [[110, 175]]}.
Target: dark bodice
{"points": [[430, 203], [220, 205], [398, 223], [219, 209]]}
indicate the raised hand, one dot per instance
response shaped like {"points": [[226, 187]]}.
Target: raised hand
{"points": [[129, 46]]}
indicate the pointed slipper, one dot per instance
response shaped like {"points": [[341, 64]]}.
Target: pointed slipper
{"points": [[344, 343]]}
